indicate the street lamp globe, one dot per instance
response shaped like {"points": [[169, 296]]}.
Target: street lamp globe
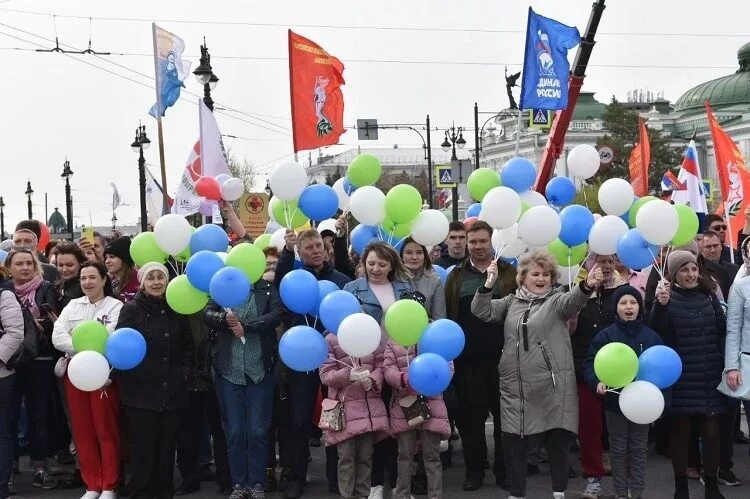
{"points": [[213, 81], [460, 142], [446, 146], [136, 145], [202, 74], [145, 141]]}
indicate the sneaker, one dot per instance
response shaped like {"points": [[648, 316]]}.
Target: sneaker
{"points": [[693, 474], [727, 477], [43, 480], [593, 488], [90, 494], [376, 492], [108, 494], [239, 492], [270, 484], [257, 492]]}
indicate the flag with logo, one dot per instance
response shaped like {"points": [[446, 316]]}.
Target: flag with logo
{"points": [[670, 182], [691, 179], [545, 63], [315, 79], [734, 177], [640, 157], [171, 69]]}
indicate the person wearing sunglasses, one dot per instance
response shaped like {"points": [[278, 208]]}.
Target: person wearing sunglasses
{"points": [[716, 223]]}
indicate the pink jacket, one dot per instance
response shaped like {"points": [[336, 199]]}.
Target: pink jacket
{"points": [[364, 411], [395, 363]]}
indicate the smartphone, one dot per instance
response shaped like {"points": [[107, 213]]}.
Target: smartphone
{"points": [[88, 235]]}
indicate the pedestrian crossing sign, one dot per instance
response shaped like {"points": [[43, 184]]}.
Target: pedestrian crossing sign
{"points": [[444, 177], [540, 118]]}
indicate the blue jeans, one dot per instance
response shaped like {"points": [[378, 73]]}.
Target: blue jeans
{"points": [[246, 417], [9, 403]]}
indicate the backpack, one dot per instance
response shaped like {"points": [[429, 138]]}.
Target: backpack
{"points": [[29, 348]]}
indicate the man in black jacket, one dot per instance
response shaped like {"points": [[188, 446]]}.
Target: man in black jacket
{"points": [[302, 389]]}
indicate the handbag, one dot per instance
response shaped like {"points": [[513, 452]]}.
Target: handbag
{"points": [[32, 337], [332, 416], [743, 390], [416, 409]]}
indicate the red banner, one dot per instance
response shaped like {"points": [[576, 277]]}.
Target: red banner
{"points": [[640, 157], [315, 79]]}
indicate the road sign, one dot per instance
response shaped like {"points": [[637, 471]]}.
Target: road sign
{"points": [[444, 177], [367, 129], [540, 118], [606, 155], [708, 189]]}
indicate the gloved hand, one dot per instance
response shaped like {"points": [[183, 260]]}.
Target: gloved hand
{"points": [[357, 374], [366, 383]]}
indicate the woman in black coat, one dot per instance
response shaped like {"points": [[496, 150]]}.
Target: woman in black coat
{"points": [[688, 316], [153, 393]]}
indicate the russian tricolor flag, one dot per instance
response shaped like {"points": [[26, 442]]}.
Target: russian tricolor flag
{"points": [[690, 175]]}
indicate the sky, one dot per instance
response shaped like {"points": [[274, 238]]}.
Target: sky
{"points": [[403, 59]]}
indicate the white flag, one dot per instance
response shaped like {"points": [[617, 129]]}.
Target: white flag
{"points": [[116, 201], [187, 201]]}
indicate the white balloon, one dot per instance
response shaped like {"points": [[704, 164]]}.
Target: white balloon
{"points": [[568, 274], [223, 255], [172, 233], [329, 224], [270, 212], [232, 189], [88, 370], [641, 402], [616, 196], [533, 198], [359, 334], [338, 187], [506, 242], [288, 180], [539, 226], [658, 222], [272, 226], [368, 205], [221, 178], [605, 234], [501, 207], [430, 228], [583, 161], [277, 239]]}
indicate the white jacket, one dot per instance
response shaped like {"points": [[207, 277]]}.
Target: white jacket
{"points": [[106, 311]]}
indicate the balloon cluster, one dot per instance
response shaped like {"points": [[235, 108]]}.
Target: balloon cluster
{"points": [[212, 190], [97, 350], [641, 378]]}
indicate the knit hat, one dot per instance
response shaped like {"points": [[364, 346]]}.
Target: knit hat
{"points": [[628, 290], [676, 260], [120, 248], [143, 271]]}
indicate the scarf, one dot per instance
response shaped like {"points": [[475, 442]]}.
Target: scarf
{"points": [[26, 294], [524, 294]]}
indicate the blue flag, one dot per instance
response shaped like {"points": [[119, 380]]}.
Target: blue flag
{"points": [[171, 69], [545, 63]]}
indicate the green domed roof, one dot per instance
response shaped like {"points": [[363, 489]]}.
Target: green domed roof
{"points": [[725, 91], [56, 220]]}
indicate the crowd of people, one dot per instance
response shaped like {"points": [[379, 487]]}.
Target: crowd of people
{"points": [[212, 389]]}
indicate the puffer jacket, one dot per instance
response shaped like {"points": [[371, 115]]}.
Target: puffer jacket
{"points": [[364, 411], [537, 380], [429, 284], [395, 363], [693, 324]]}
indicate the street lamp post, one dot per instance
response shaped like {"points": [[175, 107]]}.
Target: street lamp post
{"points": [[114, 221], [2, 218], [29, 192], [205, 76], [140, 143], [454, 137], [66, 174]]}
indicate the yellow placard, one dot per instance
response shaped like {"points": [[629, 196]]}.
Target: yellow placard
{"points": [[253, 212]]}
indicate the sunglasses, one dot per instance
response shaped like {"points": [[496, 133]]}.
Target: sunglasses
{"points": [[716, 228]]}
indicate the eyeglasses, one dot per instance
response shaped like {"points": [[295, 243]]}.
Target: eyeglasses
{"points": [[716, 228]]}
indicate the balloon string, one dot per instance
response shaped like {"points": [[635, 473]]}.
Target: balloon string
{"points": [[287, 217], [315, 322], [656, 264], [306, 321], [173, 267], [343, 363], [613, 391], [570, 278]]}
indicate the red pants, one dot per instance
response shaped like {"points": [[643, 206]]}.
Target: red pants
{"points": [[95, 420], [590, 431]]}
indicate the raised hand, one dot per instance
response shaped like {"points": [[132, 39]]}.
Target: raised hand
{"points": [[663, 292], [491, 275]]}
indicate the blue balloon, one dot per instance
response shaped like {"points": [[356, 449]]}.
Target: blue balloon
{"points": [[125, 349], [519, 174], [441, 272], [449, 270], [349, 188], [299, 292], [659, 365], [297, 264], [429, 374], [201, 268], [318, 202], [560, 191], [362, 235], [325, 288], [230, 287], [473, 210], [576, 221], [303, 349], [443, 337], [209, 237], [634, 251], [336, 307]]}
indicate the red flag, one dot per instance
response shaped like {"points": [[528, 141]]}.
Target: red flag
{"points": [[640, 157], [315, 79], [734, 177]]}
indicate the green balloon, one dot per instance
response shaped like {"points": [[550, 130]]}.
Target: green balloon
{"points": [[481, 181], [287, 213], [396, 230], [249, 259], [143, 249], [405, 321], [183, 298], [688, 225], [567, 256], [403, 203], [184, 255], [262, 241], [90, 335], [637, 206], [365, 169], [616, 365]]}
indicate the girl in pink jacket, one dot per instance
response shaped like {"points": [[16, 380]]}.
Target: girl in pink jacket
{"points": [[429, 433], [357, 389]]}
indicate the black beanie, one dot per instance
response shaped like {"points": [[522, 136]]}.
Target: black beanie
{"points": [[628, 290], [120, 248]]}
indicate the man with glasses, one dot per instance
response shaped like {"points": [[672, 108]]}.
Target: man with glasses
{"points": [[717, 224]]}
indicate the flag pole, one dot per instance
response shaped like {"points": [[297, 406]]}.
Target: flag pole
{"points": [[291, 93], [165, 198]]}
